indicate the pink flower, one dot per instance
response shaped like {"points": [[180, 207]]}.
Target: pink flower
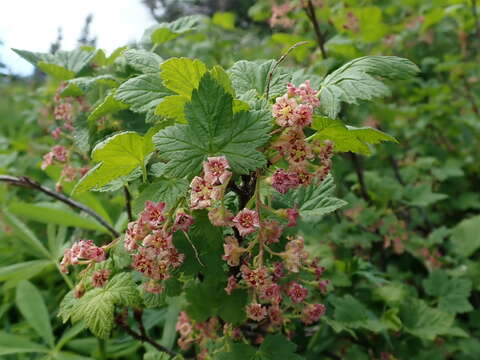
{"points": [[312, 313], [215, 170], [136, 231], [183, 326], [153, 214], [297, 292], [278, 272], [100, 277], [271, 292], [255, 278], [69, 173], [56, 133], [202, 193], [303, 115], [183, 221], [284, 110], [231, 285], [83, 249], [275, 314], [153, 287], [323, 286], [246, 221], [232, 251], [159, 239], [47, 160], [307, 94], [282, 180], [64, 112], [294, 255], [220, 216], [60, 153], [256, 312], [271, 231], [292, 215]]}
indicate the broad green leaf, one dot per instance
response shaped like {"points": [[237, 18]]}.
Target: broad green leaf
{"points": [[65, 62], [172, 107], [465, 238], [232, 309], [423, 321], [213, 130], [70, 334], [169, 332], [360, 79], [166, 190], [109, 105], [182, 75], [56, 71], [353, 314], [143, 92], [277, 347], [422, 195], [313, 201], [32, 306], [117, 156], [348, 138], [15, 344], [221, 77], [23, 270], [22, 230], [143, 61], [164, 32], [96, 307], [225, 20], [79, 86], [452, 293], [248, 75], [237, 352], [54, 213]]}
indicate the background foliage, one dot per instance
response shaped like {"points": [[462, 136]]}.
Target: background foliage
{"points": [[402, 256]]}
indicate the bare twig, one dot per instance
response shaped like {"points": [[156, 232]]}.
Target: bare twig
{"points": [[279, 61], [128, 202], [26, 182], [312, 16], [122, 322], [358, 166]]}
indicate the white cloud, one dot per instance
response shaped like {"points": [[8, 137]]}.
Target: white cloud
{"points": [[32, 25]]}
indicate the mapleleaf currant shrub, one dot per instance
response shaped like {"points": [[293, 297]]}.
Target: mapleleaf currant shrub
{"points": [[229, 162]]}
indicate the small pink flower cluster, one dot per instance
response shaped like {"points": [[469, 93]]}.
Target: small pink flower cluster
{"points": [[270, 286], [294, 111], [100, 277], [149, 240], [58, 152], [196, 333], [279, 15], [81, 250]]}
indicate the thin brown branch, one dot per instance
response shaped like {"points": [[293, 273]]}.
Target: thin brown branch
{"points": [[279, 61], [309, 9], [26, 182], [128, 203], [358, 166], [142, 337]]}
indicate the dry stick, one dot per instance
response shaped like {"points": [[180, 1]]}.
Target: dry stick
{"points": [[310, 11], [279, 61], [24, 181], [142, 338]]}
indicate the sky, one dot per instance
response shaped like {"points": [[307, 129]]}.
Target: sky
{"points": [[32, 25]]}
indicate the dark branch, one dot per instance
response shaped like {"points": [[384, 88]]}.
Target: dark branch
{"points": [[128, 203], [312, 16], [24, 181], [358, 166], [143, 337]]}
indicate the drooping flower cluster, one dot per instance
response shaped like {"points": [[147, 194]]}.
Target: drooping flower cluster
{"points": [[58, 152], [292, 112], [81, 250], [196, 332], [149, 240]]}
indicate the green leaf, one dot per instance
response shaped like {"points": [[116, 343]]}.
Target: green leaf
{"points": [[313, 201], [166, 190], [248, 75], [143, 92], [422, 195], [277, 347], [353, 314], [64, 62], [143, 61], [169, 332], [24, 270], [465, 240], [56, 71], [348, 138], [172, 107], [452, 293], [360, 79], [164, 32], [225, 20], [96, 307], [232, 309], [79, 86], [423, 321], [54, 213], [32, 306], [117, 156], [213, 130], [14, 344], [29, 238], [237, 352], [109, 105], [182, 75]]}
